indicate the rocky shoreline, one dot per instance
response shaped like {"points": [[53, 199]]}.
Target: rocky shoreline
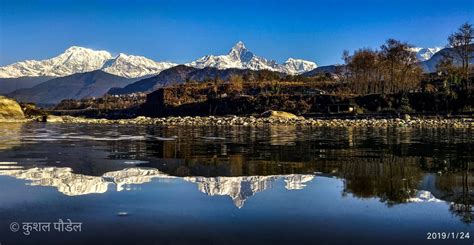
{"points": [[11, 112], [265, 121]]}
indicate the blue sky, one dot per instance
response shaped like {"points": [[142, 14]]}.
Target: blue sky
{"points": [[182, 31]]}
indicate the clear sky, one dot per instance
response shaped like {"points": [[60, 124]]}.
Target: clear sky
{"points": [[182, 30]]}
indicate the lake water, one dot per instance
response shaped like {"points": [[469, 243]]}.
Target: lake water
{"points": [[235, 185]]}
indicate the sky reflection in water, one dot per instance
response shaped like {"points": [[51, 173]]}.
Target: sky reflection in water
{"points": [[218, 184]]}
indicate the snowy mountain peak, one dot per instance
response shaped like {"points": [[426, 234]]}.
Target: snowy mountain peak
{"points": [[242, 187], [122, 55], [78, 59], [76, 51], [74, 60], [240, 57], [239, 46], [423, 54], [298, 66], [79, 49], [132, 66], [427, 53], [240, 52]]}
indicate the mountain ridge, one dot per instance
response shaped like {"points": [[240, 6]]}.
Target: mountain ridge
{"points": [[181, 73], [241, 58], [430, 64], [78, 59], [424, 54], [76, 86]]}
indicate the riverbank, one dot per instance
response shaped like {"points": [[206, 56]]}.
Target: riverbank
{"points": [[263, 121]]}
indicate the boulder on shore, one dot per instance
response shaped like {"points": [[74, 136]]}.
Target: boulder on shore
{"points": [[10, 110], [53, 119], [278, 114]]}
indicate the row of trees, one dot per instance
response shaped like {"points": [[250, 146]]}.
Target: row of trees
{"points": [[463, 51], [394, 68], [391, 69], [107, 102]]}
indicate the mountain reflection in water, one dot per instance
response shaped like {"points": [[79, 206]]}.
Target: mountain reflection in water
{"points": [[70, 184], [393, 165]]}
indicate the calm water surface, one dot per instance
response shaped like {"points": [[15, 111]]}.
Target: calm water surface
{"points": [[236, 185]]}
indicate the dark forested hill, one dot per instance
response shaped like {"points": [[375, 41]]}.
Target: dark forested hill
{"points": [[8, 85], [76, 86], [180, 74]]}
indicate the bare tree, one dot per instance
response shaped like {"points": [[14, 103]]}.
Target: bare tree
{"points": [[400, 68], [449, 72], [393, 69], [363, 71], [462, 43], [236, 84]]}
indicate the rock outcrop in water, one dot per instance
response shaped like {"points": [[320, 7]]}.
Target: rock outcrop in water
{"points": [[10, 110]]}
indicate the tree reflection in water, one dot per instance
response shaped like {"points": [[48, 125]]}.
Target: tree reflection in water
{"points": [[459, 188], [393, 165], [392, 179]]}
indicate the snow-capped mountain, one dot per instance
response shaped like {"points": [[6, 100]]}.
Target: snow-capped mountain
{"points": [[423, 54], [298, 66], [73, 60], [240, 57], [430, 64], [131, 66], [424, 196], [78, 60], [72, 184], [239, 189]]}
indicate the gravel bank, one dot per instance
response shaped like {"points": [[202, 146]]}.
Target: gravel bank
{"points": [[259, 121]]}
